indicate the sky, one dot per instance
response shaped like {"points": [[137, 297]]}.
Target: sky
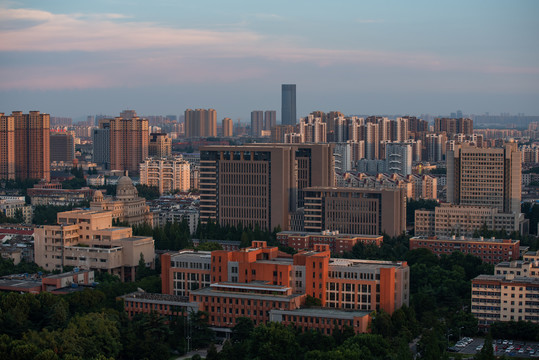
{"points": [[78, 58]]}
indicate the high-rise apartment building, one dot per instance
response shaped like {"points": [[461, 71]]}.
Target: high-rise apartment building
{"points": [[160, 145], [288, 104], [167, 174], [399, 158], [129, 141], [101, 144], [62, 146], [200, 123], [260, 184], [270, 119], [7, 147], [355, 211], [227, 127], [278, 132], [257, 122], [453, 126], [485, 177], [31, 144], [312, 130]]}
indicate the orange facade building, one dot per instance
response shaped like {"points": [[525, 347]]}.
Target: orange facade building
{"points": [[254, 281]]}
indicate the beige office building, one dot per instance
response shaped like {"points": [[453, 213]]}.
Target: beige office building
{"points": [[355, 211], [200, 123], [447, 220], [87, 240], [511, 294], [129, 141], [485, 177], [260, 184], [167, 174]]}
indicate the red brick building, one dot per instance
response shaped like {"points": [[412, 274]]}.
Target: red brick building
{"points": [[492, 251], [338, 243]]}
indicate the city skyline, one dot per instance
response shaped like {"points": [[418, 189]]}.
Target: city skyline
{"points": [[75, 59]]}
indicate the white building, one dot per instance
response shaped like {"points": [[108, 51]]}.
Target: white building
{"points": [[167, 174]]}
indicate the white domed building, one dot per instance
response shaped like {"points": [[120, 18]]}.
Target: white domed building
{"points": [[126, 205]]}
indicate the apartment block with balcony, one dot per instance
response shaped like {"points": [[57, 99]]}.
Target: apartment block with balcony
{"points": [[167, 174]]}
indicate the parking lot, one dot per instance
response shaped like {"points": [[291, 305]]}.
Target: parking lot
{"points": [[502, 347]]}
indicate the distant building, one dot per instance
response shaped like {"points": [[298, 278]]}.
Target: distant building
{"points": [[25, 144], [338, 243], [257, 122], [167, 174], [129, 141], [453, 126], [101, 145], [491, 251], [288, 104], [62, 146], [448, 220], [10, 208], [53, 194], [227, 127], [200, 123], [270, 119], [160, 145], [399, 158]]}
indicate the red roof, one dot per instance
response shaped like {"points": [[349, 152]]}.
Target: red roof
{"points": [[16, 231]]}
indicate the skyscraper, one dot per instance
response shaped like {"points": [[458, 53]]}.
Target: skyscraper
{"points": [[270, 119], [101, 144], [485, 177], [31, 143], [288, 104], [257, 122], [7, 147], [200, 123], [129, 140]]}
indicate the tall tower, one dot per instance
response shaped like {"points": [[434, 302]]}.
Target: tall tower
{"points": [[7, 147], [257, 122], [288, 104], [270, 119], [101, 143], [129, 141], [32, 145]]}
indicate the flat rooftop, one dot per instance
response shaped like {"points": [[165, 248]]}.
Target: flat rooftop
{"points": [[323, 313], [243, 295], [343, 236], [516, 279], [14, 285], [139, 295], [66, 274], [461, 239]]}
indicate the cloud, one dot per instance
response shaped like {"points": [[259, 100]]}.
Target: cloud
{"points": [[115, 50]]}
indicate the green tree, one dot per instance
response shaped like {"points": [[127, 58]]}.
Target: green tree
{"points": [[487, 352]]}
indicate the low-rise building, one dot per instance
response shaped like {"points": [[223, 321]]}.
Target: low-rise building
{"points": [[11, 207], [86, 239], [55, 283], [490, 250], [53, 194], [140, 302], [462, 220], [338, 243]]}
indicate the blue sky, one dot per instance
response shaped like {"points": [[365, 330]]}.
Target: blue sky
{"points": [[75, 58]]}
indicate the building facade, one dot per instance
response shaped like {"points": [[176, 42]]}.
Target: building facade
{"points": [[492, 251], [355, 211], [129, 140], [167, 174], [160, 145], [62, 146], [338, 243], [288, 104], [86, 239], [448, 220], [260, 184], [7, 147], [227, 127], [200, 123], [485, 177]]}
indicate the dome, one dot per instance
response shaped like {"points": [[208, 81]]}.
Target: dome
{"points": [[125, 189], [98, 195]]}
